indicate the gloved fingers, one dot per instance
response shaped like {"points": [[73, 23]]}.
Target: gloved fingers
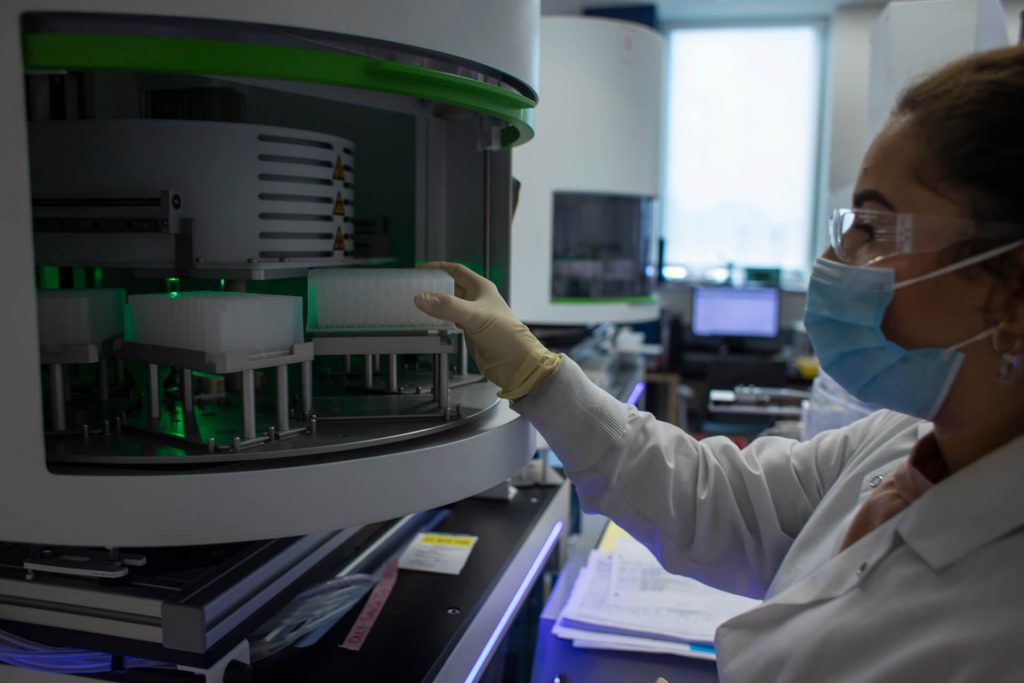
{"points": [[465, 279], [433, 265], [444, 306], [460, 291]]}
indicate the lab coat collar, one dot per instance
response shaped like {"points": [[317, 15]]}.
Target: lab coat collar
{"points": [[977, 505]]}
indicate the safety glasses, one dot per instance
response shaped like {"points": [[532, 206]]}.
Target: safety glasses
{"points": [[863, 237]]}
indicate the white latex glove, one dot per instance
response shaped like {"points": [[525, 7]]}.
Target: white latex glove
{"points": [[504, 349]]}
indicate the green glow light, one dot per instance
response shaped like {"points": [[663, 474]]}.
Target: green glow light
{"points": [[200, 373], [74, 52], [222, 284], [49, 277], [172, 284]]}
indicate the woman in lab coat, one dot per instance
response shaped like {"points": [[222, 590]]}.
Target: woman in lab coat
{"points": [[892, 549]]}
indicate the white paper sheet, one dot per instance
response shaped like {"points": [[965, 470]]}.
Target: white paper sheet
{"points": [[625, 600], [638, 580]]}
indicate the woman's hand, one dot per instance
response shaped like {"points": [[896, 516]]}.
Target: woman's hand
{"points": [[504, 349]]}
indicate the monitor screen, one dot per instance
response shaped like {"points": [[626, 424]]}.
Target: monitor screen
{"points": [[731, 312]]}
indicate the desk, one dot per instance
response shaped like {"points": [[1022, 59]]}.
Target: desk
{"points": [[558, 659]]}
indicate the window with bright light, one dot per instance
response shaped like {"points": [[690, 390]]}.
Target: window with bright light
{"points": [[742, 157]]}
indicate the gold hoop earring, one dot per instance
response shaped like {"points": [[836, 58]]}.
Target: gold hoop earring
{"points": [[1009, 356]]}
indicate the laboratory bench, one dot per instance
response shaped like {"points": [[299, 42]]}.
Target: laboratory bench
{"points": [[477, 626], [436, 627], [733, 405]]}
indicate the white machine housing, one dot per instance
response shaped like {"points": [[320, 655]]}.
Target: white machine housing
{"points": [[285, 204], [598, 130], [133, 508]]}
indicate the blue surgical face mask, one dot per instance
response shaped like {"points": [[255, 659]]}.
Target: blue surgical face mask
{"points": [[843, 317]]}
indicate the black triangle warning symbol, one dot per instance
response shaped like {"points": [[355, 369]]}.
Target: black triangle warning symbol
{"points": [[339, 170], [339, 241], [339, 206]]}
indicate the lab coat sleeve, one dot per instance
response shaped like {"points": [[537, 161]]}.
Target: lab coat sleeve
{"points": [[706, 509]]}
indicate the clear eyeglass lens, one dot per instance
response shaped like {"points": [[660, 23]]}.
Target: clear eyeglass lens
{"points": [[856, 238]]}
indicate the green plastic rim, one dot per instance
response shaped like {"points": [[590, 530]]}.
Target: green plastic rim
{"points": [[607, 300], [225, 58]]}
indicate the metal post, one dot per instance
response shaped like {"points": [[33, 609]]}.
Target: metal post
{"points": [[368, 371], [376, 363], [248, 404], [152, 377], [441, 360], [463, 356], [282, 398], [307, 388], [57, 413], [232, 381], [392, 373], [186, 390], [488, 218], [101, 378]]}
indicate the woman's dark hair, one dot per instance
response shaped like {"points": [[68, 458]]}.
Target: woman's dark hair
{"points": [[970, 118]]}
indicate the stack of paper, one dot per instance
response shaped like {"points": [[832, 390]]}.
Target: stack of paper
{"points": [[624, 600]]}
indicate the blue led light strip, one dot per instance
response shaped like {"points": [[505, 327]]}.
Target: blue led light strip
{"points": [[638, 390], [513, 605]]}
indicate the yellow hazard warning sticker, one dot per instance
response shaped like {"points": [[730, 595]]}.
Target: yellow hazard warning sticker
{"points": [[339, 170], [437, 552], [339, 240], [339, 206], [448, 539]]}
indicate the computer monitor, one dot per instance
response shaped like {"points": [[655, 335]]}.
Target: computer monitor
{"points": [[732, 312]]}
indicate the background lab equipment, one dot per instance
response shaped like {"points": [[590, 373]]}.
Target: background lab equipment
{"points": [[219, 168], [585, 238]]}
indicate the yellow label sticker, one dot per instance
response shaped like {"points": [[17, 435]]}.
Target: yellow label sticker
{"points": [[445, 539], [611, 535], [339, 240], [339, 170], [339, 206]]}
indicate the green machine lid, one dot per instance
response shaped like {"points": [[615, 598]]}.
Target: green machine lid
{"points": [[48, 51]]}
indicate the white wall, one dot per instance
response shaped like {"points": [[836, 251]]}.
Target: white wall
{"points": [[847, 117], [847, 132], [1013, 9]]}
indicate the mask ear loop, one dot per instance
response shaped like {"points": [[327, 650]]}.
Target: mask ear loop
{"points": [[1009, 357], [960, 265]]}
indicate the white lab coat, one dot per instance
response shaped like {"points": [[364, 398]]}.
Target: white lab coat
{"points": [[934, 594]]}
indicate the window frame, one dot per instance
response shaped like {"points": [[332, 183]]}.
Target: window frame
{"points": [[818, 239]]}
